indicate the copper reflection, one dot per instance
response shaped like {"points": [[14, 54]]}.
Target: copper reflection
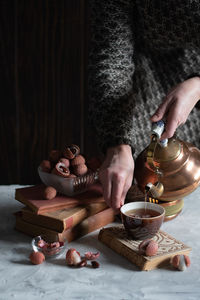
{"points": [[179, 165]]}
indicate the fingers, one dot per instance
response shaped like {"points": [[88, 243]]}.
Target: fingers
{"points": [[106, 182], [162, 110], [169, 111], [175, 118], [107, 187], [170, 128], [126, 188], [172, 122], [115, 188], [120, 188], [118, 183], [116, 175]]}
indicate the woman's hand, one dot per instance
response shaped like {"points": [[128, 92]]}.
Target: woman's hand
{"points": [[116, 175], [177, 105]]}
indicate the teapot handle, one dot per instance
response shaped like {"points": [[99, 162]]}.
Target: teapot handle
{"points": [[150, 152], [157, 130]]}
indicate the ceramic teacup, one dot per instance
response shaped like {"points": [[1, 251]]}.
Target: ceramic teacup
{"points": [[142, 220]]}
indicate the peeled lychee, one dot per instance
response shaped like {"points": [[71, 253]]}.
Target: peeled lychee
{"points": [[61, 170], [181, 262], [73, 257], [65, 161]]}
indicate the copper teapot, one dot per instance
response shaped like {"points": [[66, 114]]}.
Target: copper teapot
{"points": [[169, 169]]}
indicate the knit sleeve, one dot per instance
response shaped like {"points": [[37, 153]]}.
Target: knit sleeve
{"points": [[110, 72]]}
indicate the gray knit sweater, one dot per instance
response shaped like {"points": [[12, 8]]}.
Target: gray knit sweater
{"points": [[139, 50]]}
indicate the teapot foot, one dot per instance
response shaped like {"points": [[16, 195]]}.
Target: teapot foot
{"points": [[172, 208]]}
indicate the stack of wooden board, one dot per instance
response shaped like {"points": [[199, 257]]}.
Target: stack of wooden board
{"points": [[62, 218]]}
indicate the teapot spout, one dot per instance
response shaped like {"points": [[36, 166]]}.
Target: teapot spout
{"points": [[155, 190]]}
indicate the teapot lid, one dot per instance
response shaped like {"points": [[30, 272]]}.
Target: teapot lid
{"points": [[170, 152], [161, 150]]}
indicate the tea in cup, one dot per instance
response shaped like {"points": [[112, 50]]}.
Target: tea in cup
{"points": [[142, 220]]}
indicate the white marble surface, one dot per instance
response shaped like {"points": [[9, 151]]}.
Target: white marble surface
{"points": [[116, 278]]}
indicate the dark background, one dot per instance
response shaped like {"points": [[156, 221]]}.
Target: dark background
{"points": [[43, 83]]}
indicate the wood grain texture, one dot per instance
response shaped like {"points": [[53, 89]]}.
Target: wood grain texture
{"points": [[43, 66], [62, 219], [88, 225]]}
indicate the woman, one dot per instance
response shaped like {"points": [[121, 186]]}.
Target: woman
{"points": [[144, 62]]}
